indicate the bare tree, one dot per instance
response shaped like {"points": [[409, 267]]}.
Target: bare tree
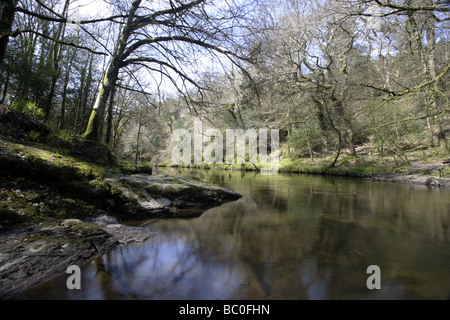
{"points": [[164, 41]]}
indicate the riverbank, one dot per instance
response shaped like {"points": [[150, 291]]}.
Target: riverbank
{"points": [[57, 210], [62, 198], [423, 166], [63, 201]]}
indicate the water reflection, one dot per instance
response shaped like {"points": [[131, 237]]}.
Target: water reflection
{"points": [[289, 237]]}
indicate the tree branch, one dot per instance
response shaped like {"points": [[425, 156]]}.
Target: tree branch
{"points": [[414, 8], [161, 63], [20, 31], [65, 20], [141, 43], [408, 91], [145, 21]]}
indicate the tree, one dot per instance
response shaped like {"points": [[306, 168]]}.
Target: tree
{"points": [[56, 57], [169, 34], [416, 40], [9, 10], [7, 13]]}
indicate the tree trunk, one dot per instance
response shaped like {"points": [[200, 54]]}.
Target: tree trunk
{"points": [[351, 145], [311, 155], [85, 97], [339, 148], [79, 99], [7, 12], [138, 137], [56, 56], [62, 113], [110, 78], [110, 115], [5, 87], [438, 130], [118, 123]]}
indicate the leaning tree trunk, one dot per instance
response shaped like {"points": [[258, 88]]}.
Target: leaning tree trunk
{"points": [[7, 12], [100, 103], [110, 78]]}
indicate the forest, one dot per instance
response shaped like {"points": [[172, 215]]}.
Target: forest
{"points": [[355, 95], [347, 82]]}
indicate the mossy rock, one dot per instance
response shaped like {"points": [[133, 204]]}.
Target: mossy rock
{"points": [[18, 125], [126, 167], [160, 195], [40, 163], [91, 151]]}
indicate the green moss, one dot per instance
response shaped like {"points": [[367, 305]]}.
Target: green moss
{"points": [[87, 229], [126, 167], [17, 206], [44, 164], [26, 201], [446, 173], [92, 127]]}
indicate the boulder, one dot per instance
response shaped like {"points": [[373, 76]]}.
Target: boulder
{"points": [[18, 125], [163, 196]]}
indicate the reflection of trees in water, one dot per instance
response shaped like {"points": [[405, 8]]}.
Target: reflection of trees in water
{"points": [[288, 237], [105, 279], [400, 205]]}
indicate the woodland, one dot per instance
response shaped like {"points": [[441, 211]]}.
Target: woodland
{"points": [[345, 81]]}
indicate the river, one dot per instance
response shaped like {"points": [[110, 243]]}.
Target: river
{"points": [[290, 237]]}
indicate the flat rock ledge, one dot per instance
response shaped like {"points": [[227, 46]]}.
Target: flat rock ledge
{"points": [[39, 252], [414, 179], [167, 196]]}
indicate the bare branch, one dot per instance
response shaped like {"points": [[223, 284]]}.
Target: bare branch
{"points": [[200, 43], [145, 21], [65, 20], [443, 8], [72, 44], [160, 62]]}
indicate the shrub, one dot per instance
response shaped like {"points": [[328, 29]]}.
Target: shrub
{"points": [[34, 136], [29, 108]]}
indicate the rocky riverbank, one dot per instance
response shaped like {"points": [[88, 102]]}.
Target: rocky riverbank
{"points": [[36, 251], [425, 166], [414, 179], [63, 201]]}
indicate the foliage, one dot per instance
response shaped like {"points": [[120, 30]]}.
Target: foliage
{"points": [[306, 140], [317, 71], [28, 108]]}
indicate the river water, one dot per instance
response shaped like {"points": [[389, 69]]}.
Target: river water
{"points": [[289, 237]]}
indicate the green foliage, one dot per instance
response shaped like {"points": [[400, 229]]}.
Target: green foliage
{"points": [[64, 136], [29, 108], [34, 136], [306, 140]]}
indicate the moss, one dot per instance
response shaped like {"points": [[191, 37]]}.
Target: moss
{"points": [[44, 164], [87, 229], [26, 201], [445, 173], [92, 127], [58, 180], [126, 167]]}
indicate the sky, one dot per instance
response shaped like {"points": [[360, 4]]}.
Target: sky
{"points": [[88, 9]]}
